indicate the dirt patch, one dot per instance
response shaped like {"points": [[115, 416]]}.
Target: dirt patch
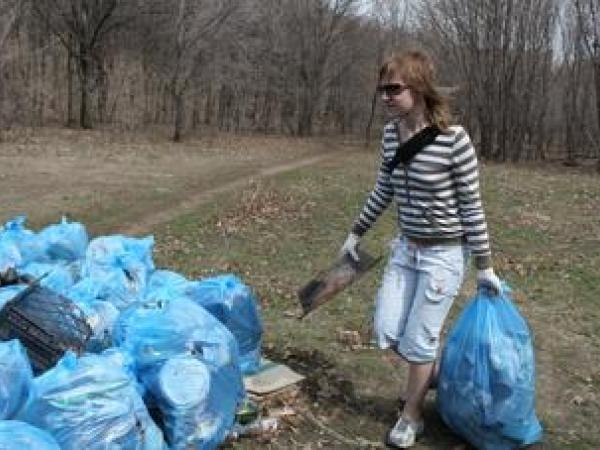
{"points": [[333, 414], [128, 182], [326, 383], [261, 203], [255, 204]]}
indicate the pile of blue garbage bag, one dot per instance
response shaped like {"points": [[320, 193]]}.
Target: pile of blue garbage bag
{"points": [[163, 367], [15, 378], [17, 435]]}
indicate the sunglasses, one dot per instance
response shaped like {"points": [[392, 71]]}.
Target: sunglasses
{"points": [[392, 89]]}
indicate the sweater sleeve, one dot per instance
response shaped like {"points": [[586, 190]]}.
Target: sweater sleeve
{"points": [[377, 201], [466, 178]]}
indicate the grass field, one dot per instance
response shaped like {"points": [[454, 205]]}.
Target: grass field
{"points": [[545, 230], [278, 231]]}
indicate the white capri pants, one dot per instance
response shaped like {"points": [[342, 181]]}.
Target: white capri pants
{"points": [[418, 288]]}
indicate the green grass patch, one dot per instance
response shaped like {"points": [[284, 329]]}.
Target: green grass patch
{"points": [[277, 234]]}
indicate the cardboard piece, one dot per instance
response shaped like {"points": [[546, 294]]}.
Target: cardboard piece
{"points": [[271, 377], [328, 283]]}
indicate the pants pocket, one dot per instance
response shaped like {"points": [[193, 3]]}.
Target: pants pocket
{"points": [[441, 290], [443, 283]]}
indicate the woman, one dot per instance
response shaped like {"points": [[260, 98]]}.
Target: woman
{"points": [[430, 169]]}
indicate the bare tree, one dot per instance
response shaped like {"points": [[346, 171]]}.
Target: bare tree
{"points": [[393, 35], [82, 27], [500, 53], [588, 34], [393, 17], [178, 42], [569, 84], [301, 66], [9, 12], [318, 28]]}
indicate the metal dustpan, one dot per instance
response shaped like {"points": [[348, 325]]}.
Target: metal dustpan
{"points": [[328, 283]]}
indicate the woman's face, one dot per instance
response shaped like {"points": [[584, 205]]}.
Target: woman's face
{"points": [[398, 99]]}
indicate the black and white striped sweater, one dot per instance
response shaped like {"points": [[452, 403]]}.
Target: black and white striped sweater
{"points": [[437, 193]]}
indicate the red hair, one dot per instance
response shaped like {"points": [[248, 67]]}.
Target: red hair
{"points": [[417, 70]]}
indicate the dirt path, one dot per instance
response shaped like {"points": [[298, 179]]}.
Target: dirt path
{"points": [[145, 223], [130, 183]]}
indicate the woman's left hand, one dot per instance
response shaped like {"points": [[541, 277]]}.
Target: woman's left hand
{"points": [[488, 279]]}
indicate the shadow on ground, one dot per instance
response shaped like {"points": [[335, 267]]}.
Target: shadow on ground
{"points": [[336, 396]]}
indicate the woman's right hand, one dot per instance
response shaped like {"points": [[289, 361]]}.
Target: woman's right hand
{"points": [[350, 247]]}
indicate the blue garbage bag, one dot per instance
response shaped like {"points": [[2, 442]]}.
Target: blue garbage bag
{"points": [[16, 435], [119, 266], [64, 241], [101, 316], [10, 256], [108, 250], [92, 403], [235, 305], [156, 332], [166, 284], [196, 403], [486, 386], [100, 313], [16, 378], [28, 246], [109, 286], [9, 292], [226, 298], [57, 277], [123, 359]]}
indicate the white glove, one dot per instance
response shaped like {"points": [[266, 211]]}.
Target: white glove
{"points": [[350, 246], [487, 278]]}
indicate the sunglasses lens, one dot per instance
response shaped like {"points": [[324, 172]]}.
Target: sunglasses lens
{"points": [[391, 89]]}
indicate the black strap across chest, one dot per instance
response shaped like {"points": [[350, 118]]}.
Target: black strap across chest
{"points": [[407, 151]]}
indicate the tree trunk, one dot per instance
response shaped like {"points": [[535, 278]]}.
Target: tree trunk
{"points": [[158, 102], [266, 115], [165, 108], [42, 84], [84, 121], [70, 118], [486, 143], [196, 111], [147, 91], [224, 108], [102, 97], [305, 121], [208, 106], [597, 83], [179, 116]]}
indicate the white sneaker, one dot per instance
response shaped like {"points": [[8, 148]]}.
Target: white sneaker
{"points": [[405, 433]]}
